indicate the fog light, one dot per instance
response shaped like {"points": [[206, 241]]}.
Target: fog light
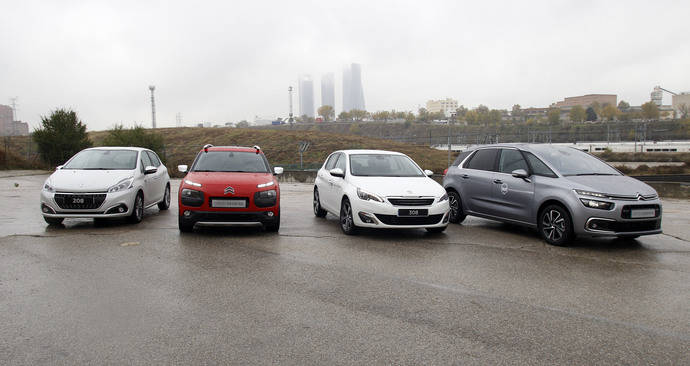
{"points": [[269, 213], [445, 218], [45, 209], [366, 218], [187, 213], [121, 209]]}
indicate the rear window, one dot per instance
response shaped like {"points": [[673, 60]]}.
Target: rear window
{"points": [[461, 157], [484, 159]]}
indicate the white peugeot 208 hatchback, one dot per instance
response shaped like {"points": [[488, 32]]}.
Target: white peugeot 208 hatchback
{"points": [[106, 182], [379, 189]]}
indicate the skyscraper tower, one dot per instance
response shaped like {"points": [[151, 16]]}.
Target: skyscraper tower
{"points": [[353, 93], [306, 95], [153, 106], [328, 89]]}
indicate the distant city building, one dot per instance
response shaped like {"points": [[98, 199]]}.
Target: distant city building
{"points": [[528, 113], [657, 96], [305, 86], [681, 103], [586, 100], [353, 93], [10, 127], [447, 105], [328, 89]]}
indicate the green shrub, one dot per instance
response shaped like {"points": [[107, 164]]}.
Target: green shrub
{"points": [[136, 136]]}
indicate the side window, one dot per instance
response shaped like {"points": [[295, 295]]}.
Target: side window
{"points": [[538, 166], [154, 158], [484, 159], [510, 160], [330, 163], [461, 157], [341, 162], [145, 161]]}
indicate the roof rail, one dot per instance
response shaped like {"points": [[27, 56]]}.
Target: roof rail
{"points": [[257, 148], [206, 147]]}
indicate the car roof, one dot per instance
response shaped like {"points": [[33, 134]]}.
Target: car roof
{"points": [[516, 145], [119, 148], [364, 151], [232, 148]]}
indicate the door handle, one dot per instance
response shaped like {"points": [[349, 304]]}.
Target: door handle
{"points": [[465, 176], [498, 181]]}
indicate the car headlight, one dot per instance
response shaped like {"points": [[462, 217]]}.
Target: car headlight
{"points": [[443, 198], [364, 195], [121, 185], [597, 204], [590, 194], [264, 185], [195, 184], [267, 194], [48, 188]]}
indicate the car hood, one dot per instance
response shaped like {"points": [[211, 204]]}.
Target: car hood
{"points": [[244, 184], [620, 185], [74, 180], [399, 186]]}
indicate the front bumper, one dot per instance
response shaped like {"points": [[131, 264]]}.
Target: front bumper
{"points": [[108, 209], [617, 222], [385, 215], [229, 218]]}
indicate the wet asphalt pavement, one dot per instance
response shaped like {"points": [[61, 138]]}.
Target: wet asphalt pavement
{"points": [[480, 293]]}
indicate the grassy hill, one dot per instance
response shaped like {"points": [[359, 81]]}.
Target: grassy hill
{"points": [[281, 146]]}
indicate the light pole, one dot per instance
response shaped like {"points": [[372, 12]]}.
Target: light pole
{"points": [[153, 106], [452, 118]]}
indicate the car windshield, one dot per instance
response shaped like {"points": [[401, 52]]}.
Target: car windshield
{"points": [[383, 165], [103, 160], [231, 161], [569, 161]]}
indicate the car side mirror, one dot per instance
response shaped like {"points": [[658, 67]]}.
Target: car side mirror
{"points": [[428, 173], [59, 167], [520, 173], [182, 168], [278, 170], [337, 172], [150, 170]]}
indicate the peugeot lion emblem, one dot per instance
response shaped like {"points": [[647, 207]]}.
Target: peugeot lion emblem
{"points": [[229, 189]]}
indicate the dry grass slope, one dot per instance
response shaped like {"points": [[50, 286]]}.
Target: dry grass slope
{"points": [[281, 147]]}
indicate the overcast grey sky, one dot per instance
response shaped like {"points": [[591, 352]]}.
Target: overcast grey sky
{"points": [[223, 61]]}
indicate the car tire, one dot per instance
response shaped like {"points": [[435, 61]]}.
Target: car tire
{"points": [[274, 226], [555, 225], [436, 230], [184, 226], [318, 211], [55, 221], [457, 215], [347, 222], [165, 203], [137, 209]]}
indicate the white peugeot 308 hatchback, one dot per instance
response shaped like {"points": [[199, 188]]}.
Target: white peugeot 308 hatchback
{"points": [[379, 189], [106, 182]]}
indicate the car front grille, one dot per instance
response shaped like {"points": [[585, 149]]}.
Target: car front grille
{"points": [[396, 220], [624, 226], [79, 201], [411, 201]]}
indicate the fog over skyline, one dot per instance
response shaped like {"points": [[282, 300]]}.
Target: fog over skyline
{"points": [[224, 61]]}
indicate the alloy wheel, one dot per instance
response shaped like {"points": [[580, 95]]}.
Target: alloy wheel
{"points": [[346, 217], [553, 225]]}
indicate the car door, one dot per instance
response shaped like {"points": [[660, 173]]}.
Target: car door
{"points": [[513, 195], [324, 181], [158, 177], [149, 181], [338, 183], [477, 180]]}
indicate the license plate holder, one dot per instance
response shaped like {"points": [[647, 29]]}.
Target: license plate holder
{"points": [[413, 212], [644, 213], [229, 203]]}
